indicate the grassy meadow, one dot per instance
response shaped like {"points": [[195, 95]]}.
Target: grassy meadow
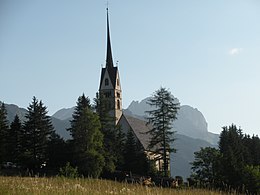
{"points": [[58, 185]]}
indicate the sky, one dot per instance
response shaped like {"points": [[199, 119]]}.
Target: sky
{"points": [[207, 53]]}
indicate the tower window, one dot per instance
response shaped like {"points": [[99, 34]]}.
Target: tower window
{"points": [[118, 104], [106, 82], [118, 95], [118, 82]]}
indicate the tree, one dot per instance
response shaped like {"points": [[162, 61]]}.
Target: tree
{"points": [[114, 138], [38, 128], [251, 179], [87, 139], [205, 165], [135, 158], [3, 132], [232, 161], [15, 140], [58, 152], [161, 119]]}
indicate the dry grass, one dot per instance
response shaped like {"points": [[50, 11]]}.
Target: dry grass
{"points": [[57, 185]]}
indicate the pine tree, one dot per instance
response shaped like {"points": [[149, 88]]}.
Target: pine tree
{"points": [[161, 118], [38, 128], [3, 132], [134, 156], [113, 136], [58, 153], [15, 140], [87, 139], [232, 161]]}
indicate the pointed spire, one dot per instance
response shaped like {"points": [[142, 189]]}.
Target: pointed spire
{"points": [[109, 60]]}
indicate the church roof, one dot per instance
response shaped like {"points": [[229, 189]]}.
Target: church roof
{"points": [[140, 129], [112, 75]]}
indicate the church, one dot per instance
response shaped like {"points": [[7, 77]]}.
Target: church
{"points": [[110, 87]]}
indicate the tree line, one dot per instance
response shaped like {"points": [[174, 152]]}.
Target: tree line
{"points": [[234, 165], [97, 146]]}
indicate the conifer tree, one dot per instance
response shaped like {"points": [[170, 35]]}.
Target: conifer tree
{"points": [[232, 150], [15, 140], [113, 136], [87, 139], [58, 153], [135, 159], [3, 132], [161, 118], [38, 128]]}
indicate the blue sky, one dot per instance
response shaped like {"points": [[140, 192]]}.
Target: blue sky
{"points": [[206, 52]]}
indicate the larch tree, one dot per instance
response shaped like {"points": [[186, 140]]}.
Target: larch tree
{"points": [[87, 139], [37, 131], [161, 118]]}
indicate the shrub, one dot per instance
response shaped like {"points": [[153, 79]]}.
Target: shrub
{"points": [[68, 171]]}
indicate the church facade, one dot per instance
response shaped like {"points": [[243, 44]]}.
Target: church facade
{"points": [[110, 88]]}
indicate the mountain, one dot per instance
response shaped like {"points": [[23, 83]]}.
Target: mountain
{"points": [[190, 122], [64, 114], [12, 110], [60, 126]]}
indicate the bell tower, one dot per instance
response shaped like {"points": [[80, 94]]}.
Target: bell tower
{"points": [[110, 86]]}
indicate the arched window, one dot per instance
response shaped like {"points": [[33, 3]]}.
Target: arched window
{"points": [[106, 82], [118, 104]]}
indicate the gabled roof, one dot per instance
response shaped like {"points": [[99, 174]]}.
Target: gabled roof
{"points": [[112, 72], [140, 130]]}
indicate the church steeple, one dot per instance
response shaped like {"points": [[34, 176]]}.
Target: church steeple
{"points": [[110, 86], [109, 59]]}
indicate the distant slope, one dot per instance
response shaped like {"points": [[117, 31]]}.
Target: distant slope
{"points": [[186, 146]]}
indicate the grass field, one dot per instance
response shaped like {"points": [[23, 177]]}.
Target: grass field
{"points": [[58, 185]]}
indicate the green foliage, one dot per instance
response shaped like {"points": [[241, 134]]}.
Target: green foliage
{"points": [[113, 136], [232, 161], [87, 139], [58, 152], [68, 171], [15, 140], [205, 165], [135, 158], [3, 132], [234, 166], [37, 130], [161, 119], [251, 179]]}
